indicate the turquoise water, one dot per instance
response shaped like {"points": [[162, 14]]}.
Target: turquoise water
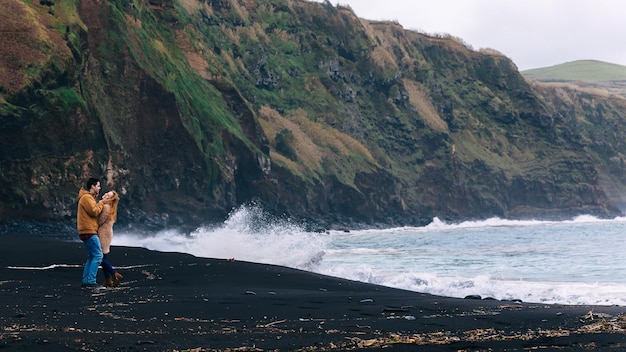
{"points": [[570, 262]]}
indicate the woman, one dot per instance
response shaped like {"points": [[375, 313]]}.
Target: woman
{"points": [[107, 218]]}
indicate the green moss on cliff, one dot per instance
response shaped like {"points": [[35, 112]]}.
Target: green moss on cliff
{"points": [[152, 43]]}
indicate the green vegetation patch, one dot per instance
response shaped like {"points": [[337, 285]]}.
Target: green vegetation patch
{"points": [[153, 43], [581, 70]]}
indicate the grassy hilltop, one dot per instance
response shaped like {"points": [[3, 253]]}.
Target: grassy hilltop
{"points": [[584, 73]]}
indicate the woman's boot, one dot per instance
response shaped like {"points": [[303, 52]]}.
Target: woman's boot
{"points": [[117, 277]]}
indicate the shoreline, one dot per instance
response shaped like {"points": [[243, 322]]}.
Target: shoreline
{"points": [[173, 301]]}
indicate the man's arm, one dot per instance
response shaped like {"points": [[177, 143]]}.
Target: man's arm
{"points": [[91, 207]]}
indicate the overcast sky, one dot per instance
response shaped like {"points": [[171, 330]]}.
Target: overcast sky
{"points": [[532, 33]]}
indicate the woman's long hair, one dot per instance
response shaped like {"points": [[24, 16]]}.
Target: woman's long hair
{"points": [[114, 201]]}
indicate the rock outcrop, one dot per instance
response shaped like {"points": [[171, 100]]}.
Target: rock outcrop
{"points": [[192, 108]]}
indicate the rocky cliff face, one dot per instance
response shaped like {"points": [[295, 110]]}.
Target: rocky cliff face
{"points": [[192, 108]]}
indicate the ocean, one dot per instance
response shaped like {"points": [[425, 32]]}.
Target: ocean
{"points": [[578, 261]]}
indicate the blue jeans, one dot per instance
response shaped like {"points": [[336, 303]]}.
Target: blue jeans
{"points": [[94, 257], [107, 268]]}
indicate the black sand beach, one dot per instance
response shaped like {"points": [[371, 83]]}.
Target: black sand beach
{"points": [[177, 302]]}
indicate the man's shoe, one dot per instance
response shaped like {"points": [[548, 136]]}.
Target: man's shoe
{"points": [[108, 282], [117, 277], [93, 287]]}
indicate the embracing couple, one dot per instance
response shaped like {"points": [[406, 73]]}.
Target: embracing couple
{"points": [[95, 221]]}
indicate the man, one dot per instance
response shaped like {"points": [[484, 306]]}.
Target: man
{"points": [[87, 224]]}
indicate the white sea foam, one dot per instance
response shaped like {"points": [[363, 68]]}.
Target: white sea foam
{"points": [[575, 293], [55, 266], [47, 267], [578, 261], [249, 234]]}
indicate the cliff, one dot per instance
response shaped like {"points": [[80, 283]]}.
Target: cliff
{"points": [[191, 108]]}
